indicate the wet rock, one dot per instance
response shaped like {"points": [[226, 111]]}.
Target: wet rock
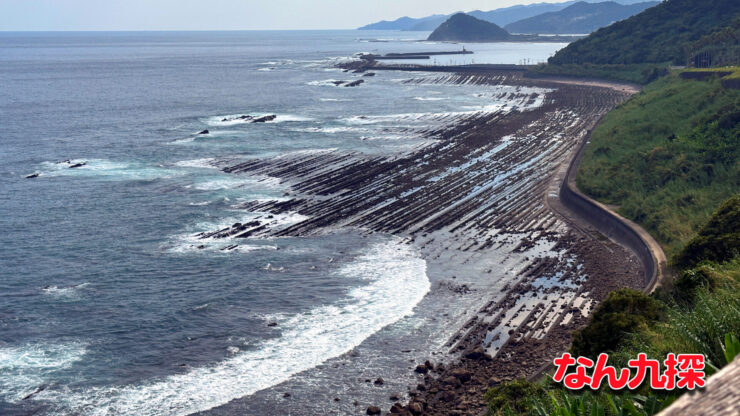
{"points": [[421, 387], [336, 399], [286, 395], [33, 175], [78, 165], [338, 83], [373, 410], [447, 396], [421, 369], [379, 381], [396, 396], [369, 74], [478, 354], [272, 324], [461, 374], [354, 83], [415, 408], [204, 132], [265, 119], [452, 381], [396, 408], [429, 365]]}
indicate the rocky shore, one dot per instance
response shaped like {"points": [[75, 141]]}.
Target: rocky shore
{"points": [[474, 203]]}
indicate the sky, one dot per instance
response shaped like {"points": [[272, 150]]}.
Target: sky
{"points": [[53, 15]]}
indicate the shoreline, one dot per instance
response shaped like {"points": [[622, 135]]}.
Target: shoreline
{"points": [[521, 277]]}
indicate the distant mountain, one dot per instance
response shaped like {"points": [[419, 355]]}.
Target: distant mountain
{"points": [[501, 17], [580, 17], [464, 28], [658, 34], [408, 23]]}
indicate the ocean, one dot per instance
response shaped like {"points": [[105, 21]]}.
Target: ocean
{"points": [[111, 299]]}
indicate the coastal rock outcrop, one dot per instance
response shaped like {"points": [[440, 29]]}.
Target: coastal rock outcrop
{"points": [[354, 83], [204, 132]]}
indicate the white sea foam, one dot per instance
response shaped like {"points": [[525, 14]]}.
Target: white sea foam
{"points": [[233, 120], [108, 169], [28, 368], [334, 99], [428, 98], [396, 281], [64, 292], [205, 163]]}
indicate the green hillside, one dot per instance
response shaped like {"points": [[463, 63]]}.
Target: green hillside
{"points": [[659, 34], [462, 27], [668, 157]]}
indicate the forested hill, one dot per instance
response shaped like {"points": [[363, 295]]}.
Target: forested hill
{"points": [[580, 17], [464, 28], [659, 34]]}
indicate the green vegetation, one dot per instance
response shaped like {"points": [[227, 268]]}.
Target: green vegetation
{"points": [[718, 240], [623, 311], [719, 48], [634, 73], [463, 27], [659, 34], [668, 157], [701, 315]]}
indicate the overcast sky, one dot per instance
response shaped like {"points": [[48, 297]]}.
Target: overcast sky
{"points": [[18, 15]]}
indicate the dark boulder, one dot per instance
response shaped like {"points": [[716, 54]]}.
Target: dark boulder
{"points": [[416, 408], [379, 381], [338, 83], [354, 83], [78, 165], [264, 119], [478, 354], [373, 410], [204, 132], [461, 374], [369, 74], [33, 175], [421, 369]]}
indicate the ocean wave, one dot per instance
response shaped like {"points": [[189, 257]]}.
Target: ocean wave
{"points": [[64, 292], [116, 170], [396, 281], [205, 163], [428, 98], [29, 368], [234, 119]]}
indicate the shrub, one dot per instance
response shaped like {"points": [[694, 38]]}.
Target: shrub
{"points": [[718, 240], [623, 311], [515, 396]]}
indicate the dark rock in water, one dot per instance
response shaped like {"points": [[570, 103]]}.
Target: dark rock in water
{"points": [[478, 354], [421, 387], [78, 165], [336, 399], [338, 83], [355, 83], [358, 70], [373, 410], [421, 369], [429, 365], [33, 175], [369, 74], [396, 408], [35, 392], [396, 396], [379, 381], [286, 395], [201, 247], [272, 324], [204, 132], [265, 119]]}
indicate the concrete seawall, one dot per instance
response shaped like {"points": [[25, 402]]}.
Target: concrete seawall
{"points": [[614, 226]]}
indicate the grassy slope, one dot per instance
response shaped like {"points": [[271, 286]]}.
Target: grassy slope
{"points": [[668, 157]]}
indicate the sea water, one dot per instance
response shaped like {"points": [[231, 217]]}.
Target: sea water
{"points": [[110, 303]]}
